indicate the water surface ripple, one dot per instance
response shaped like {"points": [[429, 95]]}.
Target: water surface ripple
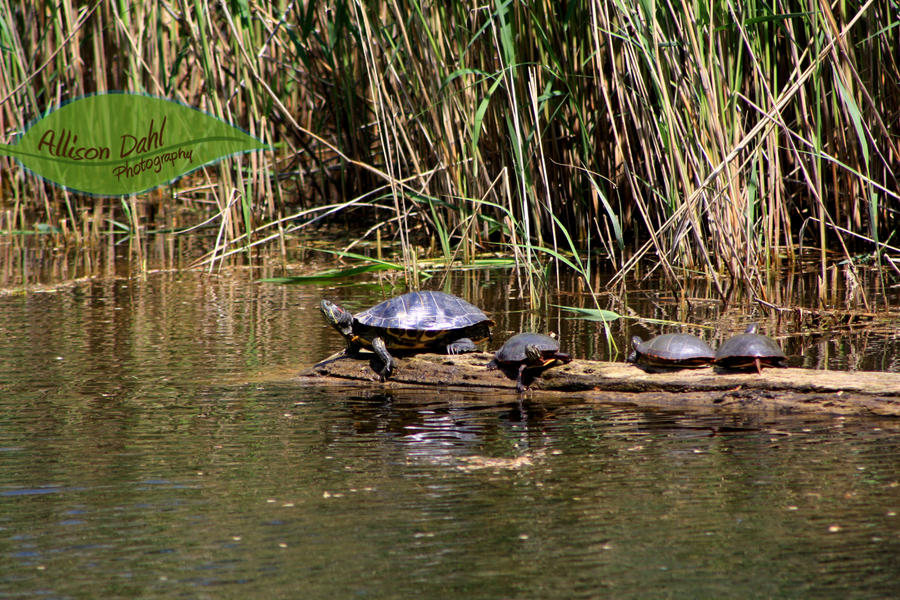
{"points": [[153, 445]]}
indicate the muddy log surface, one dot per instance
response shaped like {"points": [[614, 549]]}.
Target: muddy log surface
{"points": [[777, 390]]}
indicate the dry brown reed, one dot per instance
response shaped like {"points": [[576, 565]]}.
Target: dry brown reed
{"points": [[719, 138]]}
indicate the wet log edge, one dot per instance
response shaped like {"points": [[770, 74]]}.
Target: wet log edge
{"points": [[787, 390]]}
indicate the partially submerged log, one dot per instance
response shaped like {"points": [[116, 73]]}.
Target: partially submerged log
{"points": [[779, 390]]}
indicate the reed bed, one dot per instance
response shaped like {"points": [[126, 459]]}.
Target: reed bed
{"points": [[717, 138]]}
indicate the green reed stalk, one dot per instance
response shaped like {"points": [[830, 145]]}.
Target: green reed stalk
{"points": [[717, 138]]}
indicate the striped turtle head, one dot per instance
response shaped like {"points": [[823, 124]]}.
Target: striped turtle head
{"points": [[339, 318]]}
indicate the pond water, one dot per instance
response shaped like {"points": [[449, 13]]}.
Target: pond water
{"points": [[152, 444]]}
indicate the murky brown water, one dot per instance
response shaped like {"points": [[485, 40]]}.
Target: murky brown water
{"points": [[153, 445]]}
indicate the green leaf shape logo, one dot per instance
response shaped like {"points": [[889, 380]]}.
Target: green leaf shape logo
{"points": [[119, 144]]}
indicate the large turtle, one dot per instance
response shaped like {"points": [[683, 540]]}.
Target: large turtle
{"points": [[671, 350], [750, 350], [528, 352], [414, 321]]}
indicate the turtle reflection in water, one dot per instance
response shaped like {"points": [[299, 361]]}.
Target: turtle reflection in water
{"points": [[750, 351], [671, 351], [528, 352], [417, 321]]}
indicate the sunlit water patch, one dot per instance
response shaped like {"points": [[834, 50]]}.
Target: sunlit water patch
{"points": [[152, 444]]}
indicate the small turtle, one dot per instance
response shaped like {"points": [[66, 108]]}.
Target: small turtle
{"points": [[671, 350], [750, 350], [528, 351], [415, 321]]}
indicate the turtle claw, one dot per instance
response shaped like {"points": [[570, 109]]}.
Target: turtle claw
{"points": [[461, 346], [386, 371]]}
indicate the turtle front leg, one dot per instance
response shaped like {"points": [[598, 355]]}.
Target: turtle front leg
{"points": [[520, 380], [461, 346], [386, 359]]}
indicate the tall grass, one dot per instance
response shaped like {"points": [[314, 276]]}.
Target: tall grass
{"points": [[719, 138]]}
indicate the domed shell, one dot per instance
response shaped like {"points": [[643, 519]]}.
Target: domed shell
{"points": [[513, 350], [528, 352], [672, 350], [745, 349], [423, 311]]}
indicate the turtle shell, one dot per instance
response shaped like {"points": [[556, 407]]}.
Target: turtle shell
{"points": [[672, 350], [750, 350], [514, 350], [527, 353], [421, 320]]}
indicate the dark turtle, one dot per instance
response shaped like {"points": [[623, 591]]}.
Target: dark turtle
{"points": [[750, 350], [671, 350], [413, 321], [528, 351]]}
